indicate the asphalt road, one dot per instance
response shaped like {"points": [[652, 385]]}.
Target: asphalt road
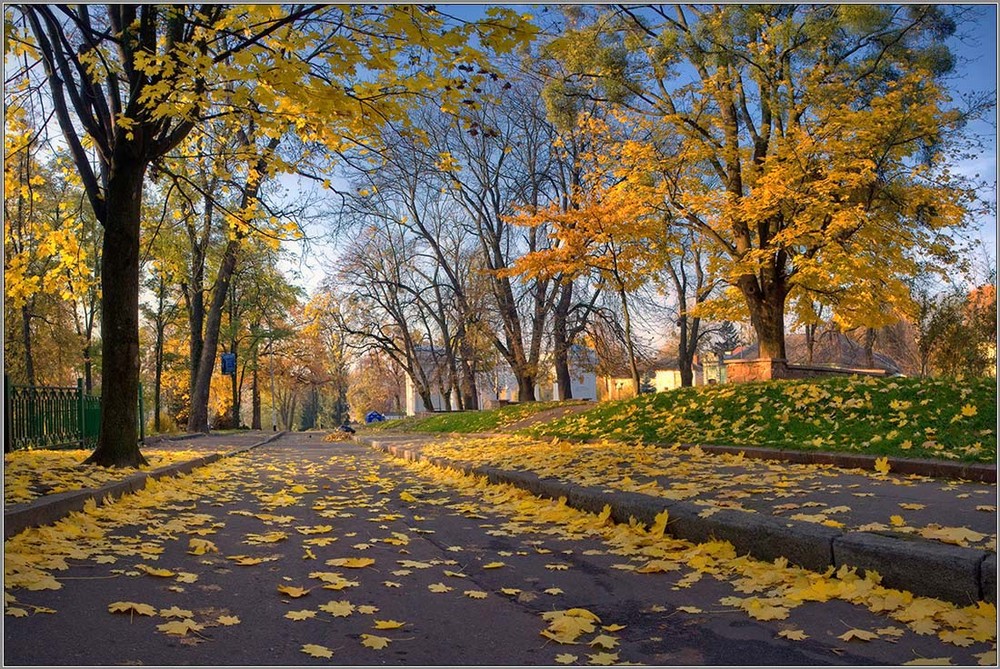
{"points": [[291, 506]]}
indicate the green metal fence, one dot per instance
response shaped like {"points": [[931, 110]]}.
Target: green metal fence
{"points": [[53, 417]]}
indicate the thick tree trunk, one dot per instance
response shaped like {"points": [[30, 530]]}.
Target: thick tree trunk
{"points": [[526, 387], [560, 342], [766, 303], [118, 442], [870, 336], [198, 418]]}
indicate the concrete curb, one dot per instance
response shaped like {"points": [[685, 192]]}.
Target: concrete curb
{"points": [[51, 508], [960, 575], [968, 471]]}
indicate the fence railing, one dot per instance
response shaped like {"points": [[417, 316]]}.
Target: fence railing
{"points": [[54, 417]]}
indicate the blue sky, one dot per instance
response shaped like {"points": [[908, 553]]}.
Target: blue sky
{"points": [[975, 47]]}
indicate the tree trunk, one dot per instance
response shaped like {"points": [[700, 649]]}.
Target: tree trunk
{"points": [[526, 387], [766, 303], [811, 341], [158, 378], [870, 336], [117, 442], [255, 398], [198, 419], [560, 342], [29, 359], [633, 364]]}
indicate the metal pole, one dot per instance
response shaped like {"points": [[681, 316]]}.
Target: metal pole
{"points": [[274, 415]]}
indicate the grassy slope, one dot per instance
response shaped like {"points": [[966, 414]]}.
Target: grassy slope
{"points": [[896, 416], [466, 421]]}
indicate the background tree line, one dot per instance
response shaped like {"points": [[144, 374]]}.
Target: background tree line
{"points": [[611, 176]]}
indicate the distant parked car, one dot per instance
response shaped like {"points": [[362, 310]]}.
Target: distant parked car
{"points": [[373, 417]]}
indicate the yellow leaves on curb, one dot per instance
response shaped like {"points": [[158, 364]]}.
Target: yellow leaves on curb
{"points": [[882, 465], [960, 536], [315, 650]]}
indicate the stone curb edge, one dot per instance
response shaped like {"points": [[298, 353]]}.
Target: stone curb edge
{"points": [[969, 471], [952, 573], [51, 508]]}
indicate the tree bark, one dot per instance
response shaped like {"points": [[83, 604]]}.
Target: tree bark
{"points": [[255, 398], [198, 419], [766, 302], [117, 443], [560, 342]]}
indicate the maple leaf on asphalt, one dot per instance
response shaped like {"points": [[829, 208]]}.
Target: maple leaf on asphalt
{"points": [[155, 571], [293, 590], [316, 650], [338, 609], [388, 624], [793, 635], [180, 627], [228, 620], [438, 587], [131, 607], [476, 594], [175, 612], [350, 563], [566, 658], [373, 641], [305, 614], [201, 546], [862, 635]]}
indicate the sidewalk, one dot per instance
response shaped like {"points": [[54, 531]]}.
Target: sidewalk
{"points": [[816, 516], [904, 527], [50, 508]]}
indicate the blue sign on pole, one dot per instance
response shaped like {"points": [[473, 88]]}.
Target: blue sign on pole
{"points": [[229, 364]]}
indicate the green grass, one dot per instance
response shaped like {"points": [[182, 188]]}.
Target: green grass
{"points": [[904, 417], [467, 421]]}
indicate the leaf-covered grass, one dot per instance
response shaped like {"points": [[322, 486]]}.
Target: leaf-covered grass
{"points": [[951, 419], [28, 475], [468, 421]]}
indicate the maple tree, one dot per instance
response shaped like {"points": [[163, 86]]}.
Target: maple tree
{"points": [[809, 148], [135, 81]]}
